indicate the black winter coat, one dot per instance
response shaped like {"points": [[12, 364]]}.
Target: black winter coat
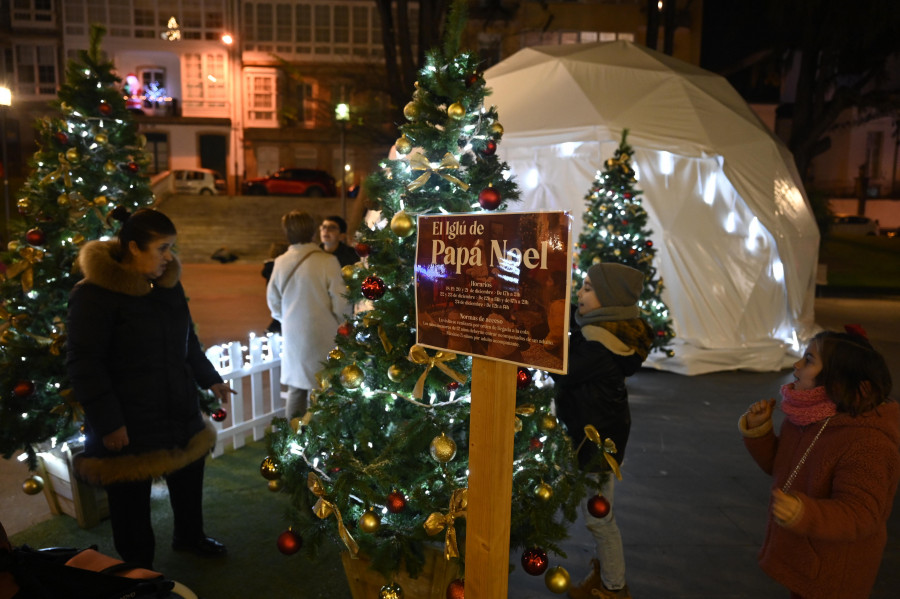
{"points": [[593, 392], [133, 359]]}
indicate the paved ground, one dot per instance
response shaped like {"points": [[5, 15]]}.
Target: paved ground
{"points": [[692, 504]]}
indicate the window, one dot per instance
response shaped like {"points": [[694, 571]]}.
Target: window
{"points": [[158, 148], [874, 141], [203, 77], [306, 100], [261, 100], [35, 70], [153, 85], [32, 12]]}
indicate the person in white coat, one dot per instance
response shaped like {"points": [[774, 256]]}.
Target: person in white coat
{"points": [[305, 293]]}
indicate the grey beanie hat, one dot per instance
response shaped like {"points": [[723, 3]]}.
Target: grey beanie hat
{"points": [[616, 284]]}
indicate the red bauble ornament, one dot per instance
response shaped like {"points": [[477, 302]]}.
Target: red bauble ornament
{"points": [[363, 250], [534, 561], [627, 196], [660, 333], [523, 377], [344, 330], [625, 223], [584, 246], [372, 287], [452, 386], [490, 147], [62, 137], [471, 79], [456, 589], [649, 244], [36, 237], [632, 251], [489, 198], [289, 542], [219, 415], [536, 444], [104, 108], [132, 167], [23, 388], [395, 502], [598, 506]]}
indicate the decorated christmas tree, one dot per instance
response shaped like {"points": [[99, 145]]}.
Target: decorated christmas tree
{"points": [[90, 160], [615, 230], [381, 463]]}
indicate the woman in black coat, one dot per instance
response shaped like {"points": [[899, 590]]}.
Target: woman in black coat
{"points": [[134, 363]]}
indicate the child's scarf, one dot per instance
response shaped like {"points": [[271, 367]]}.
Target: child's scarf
{"points": [[804, 407]]}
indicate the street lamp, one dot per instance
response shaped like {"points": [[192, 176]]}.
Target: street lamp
{"points": [[5, 103], [342, 115], [236, 108]]}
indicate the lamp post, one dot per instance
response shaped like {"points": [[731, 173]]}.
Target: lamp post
{"points": [[5, 103], [235, 76], [342, 115]]}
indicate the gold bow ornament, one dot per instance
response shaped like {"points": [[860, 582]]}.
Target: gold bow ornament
{"points": [[622, 162], [385, 342], [25, 267], [418, 355], [437, 522], [419, 162], [607, 447], [325, 508]]}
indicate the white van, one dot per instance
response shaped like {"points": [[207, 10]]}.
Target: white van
{"points": [[201, 181]]}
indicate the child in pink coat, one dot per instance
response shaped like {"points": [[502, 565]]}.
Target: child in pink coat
{"points": [[835, 467]]}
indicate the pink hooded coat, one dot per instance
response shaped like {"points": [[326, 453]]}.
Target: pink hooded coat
{"points": [[847, 485]]}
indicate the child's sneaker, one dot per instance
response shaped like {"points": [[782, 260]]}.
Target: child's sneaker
{"points": [[604, 593], [586, 587]]}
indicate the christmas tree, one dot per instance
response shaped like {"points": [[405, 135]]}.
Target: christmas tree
{"points": [[381, 464], [90, 160], [615, 230]]}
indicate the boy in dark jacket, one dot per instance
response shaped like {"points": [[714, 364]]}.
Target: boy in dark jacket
{"points": [[608, 342]]}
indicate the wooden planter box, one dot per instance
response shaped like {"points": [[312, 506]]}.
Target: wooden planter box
{"points": [[67, 495], [432, 582]]}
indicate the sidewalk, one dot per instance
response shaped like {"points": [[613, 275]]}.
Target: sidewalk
{"points": [[691, 505]]}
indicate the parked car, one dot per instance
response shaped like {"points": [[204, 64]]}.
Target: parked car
{"points": [[293, 181], [850, 224], [201, 181]]}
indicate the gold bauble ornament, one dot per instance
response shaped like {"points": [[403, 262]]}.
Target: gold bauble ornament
{"points": [[403, 145], [543, 491], [269, 469], [402, 224], [369, 522], [557, 579], [395, 373], [275, 485], [78, 239], [33, 485], [62, 199], [100, 201], [596, 260], [348, 271], [496, 128], [296, 422], [23, 204], [391, 591], [456, 111], [101, 138], [352, 376], [12, 246], [336, 354], [110, 167], [548, 422], [411, 111], [141, 140], [72, 154], [443, 448]]}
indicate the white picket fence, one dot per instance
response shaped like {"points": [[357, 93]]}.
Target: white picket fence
{"points": [[253, 370]]}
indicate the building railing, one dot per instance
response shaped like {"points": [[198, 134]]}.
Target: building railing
{"points": [[253, 371]]}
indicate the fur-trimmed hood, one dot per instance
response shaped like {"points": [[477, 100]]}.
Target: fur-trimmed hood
{"points": [[97, 262]]}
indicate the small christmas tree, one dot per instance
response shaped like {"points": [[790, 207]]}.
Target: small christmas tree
{"points": [[383, 461], [615, 230], [90, 159]]}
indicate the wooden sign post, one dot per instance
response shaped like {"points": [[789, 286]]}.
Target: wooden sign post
{"points": [[491, 430]]}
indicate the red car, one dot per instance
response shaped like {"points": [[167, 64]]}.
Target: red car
{"points": [[294, 182]]}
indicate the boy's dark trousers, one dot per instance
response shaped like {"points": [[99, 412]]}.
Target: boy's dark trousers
{"points": [[129, 513]]}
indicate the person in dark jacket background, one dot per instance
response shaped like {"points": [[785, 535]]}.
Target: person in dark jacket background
{"points": [[608, 342], [134, 363]]}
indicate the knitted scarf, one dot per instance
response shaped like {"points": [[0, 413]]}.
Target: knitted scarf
{"points": [[804, 407]]}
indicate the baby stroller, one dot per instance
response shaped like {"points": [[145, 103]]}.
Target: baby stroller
{"points": [[62, 572]]}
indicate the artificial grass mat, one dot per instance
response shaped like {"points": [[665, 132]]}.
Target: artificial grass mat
{"points": [[240, 511]]}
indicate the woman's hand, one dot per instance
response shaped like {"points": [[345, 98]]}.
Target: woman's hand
{"points": [[116, 440], [785, 508], [222, 391], [760, 412]]}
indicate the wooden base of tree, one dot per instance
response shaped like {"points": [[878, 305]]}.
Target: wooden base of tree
{"points": [[432, 582], [67, 495]]}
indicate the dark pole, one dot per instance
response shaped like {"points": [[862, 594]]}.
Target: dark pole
{"points": [[5, 170], [343, 175]]}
